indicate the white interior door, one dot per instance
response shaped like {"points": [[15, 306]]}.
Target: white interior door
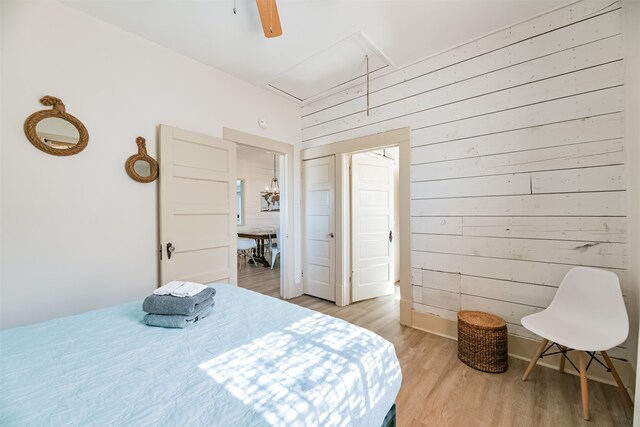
{"points": [[372, 189], [197, 207], [320, 243]]}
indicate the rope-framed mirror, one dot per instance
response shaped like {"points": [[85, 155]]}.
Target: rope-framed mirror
{"points": [[55, 131], [142, 167]]}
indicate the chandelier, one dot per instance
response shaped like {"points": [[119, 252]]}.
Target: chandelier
{"points": [[271, 195]]}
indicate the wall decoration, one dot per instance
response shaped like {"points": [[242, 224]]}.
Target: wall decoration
{"points": [[142, 167], [269, 201], [55, 131]]}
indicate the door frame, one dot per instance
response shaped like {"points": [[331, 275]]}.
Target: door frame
{"points": [[343, 150], [287, 220]]}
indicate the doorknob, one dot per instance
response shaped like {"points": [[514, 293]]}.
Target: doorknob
{"points": [[331, 235], [170, 249], [390, 236]]}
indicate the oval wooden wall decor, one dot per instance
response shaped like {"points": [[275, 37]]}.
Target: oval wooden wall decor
{"points": [[141, 167], [55, 131]]}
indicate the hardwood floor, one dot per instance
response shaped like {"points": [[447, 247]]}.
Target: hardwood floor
{"points": [[439, 390]]}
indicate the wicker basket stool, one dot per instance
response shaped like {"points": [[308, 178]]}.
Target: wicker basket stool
{"points": [[482, 341]]}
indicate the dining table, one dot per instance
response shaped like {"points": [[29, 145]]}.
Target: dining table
{"points": [[261, 238]]}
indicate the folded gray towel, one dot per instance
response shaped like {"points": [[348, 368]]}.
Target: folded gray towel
{"points": [[176, 321], [168, 304]]}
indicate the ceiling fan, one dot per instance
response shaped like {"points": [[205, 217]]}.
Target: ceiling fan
{"points": [[269, 17]]}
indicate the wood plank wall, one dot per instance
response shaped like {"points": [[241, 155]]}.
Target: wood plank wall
{"points": [[518, 161], [256, 168]]}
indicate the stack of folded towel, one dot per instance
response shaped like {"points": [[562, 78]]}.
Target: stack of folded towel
{"points": [[178, 304]]}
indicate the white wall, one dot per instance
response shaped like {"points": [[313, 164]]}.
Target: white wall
{"points": [[518, 162], [632, 135], [256, 168], [77, 232]]}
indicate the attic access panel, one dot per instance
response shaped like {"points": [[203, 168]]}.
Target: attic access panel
{"points": [[338, 66]]}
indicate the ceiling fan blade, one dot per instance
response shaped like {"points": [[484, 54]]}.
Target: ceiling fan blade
{"points": [[269, 17]]}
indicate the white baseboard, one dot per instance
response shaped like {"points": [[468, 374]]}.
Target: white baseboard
{"points": [[523, 348]]}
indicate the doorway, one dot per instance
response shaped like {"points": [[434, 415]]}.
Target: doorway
{"points": [[341, 153], [286, 260], [258, 201], [197, 206]]}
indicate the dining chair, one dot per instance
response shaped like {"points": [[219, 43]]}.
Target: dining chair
{"points": [[273, 248], [245, 250], [587, 315]]}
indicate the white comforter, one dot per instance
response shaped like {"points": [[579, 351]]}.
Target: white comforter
{"points": [[255, 361]]}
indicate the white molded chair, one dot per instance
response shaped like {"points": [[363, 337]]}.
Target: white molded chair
{"points": [[273, 248], [588, 315], [245, 250]]}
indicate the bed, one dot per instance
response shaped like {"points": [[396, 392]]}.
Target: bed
{"points": [[255, 361]]}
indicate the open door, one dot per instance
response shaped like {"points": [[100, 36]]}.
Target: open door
{"points": [[372, 189], [320, 243], [197, 207]]}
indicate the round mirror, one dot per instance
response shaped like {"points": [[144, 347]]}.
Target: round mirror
{"points": [[57, 133], [142, 168]]}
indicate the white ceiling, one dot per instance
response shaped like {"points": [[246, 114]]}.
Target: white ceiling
{"points": [[405, 31], [340, 64]]}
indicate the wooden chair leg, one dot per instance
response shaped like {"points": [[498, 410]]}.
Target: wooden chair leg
{"points": [[583, 384], [535, 359], [562, 360], [617, 378], [252, 259]]}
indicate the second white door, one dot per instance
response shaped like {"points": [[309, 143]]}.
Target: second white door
{"points": [[372, 190], [319, 214]]}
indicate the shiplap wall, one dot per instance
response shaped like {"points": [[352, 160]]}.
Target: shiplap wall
{"points": [[518, 161], [256, 168]]}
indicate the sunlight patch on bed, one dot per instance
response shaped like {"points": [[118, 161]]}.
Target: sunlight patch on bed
{"points": [[315, 371]]}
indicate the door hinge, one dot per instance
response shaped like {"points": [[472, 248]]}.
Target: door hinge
{"points": [[160, 251]]}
